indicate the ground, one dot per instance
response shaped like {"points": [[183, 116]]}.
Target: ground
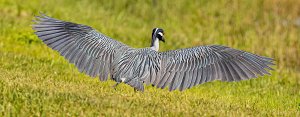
{"points": [[36, 81]]}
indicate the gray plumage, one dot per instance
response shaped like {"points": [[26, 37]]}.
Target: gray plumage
{"points": [[98, 55]]}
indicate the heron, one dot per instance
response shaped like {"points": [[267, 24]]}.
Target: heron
{"points": [[98, 55]]}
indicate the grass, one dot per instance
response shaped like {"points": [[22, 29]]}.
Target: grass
{"points": [[36, 81]]}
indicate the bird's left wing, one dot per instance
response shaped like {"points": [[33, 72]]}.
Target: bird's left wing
{"points": [[91, 51], [184, 68]]}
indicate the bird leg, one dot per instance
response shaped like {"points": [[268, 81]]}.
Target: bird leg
{"points": [[115, 85], [135, 90]]}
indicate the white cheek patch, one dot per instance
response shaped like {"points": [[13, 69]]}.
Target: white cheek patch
{"points": [[161, 34]]}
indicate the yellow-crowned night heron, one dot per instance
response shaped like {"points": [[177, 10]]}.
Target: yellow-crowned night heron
{"points": [[98, 55]]}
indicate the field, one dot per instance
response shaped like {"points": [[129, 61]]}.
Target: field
{"points": [[36, 81]]}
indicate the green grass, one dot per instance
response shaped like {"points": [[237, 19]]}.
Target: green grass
{"points": [[36, 81]]}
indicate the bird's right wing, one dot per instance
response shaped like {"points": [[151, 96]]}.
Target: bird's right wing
{"points": [[91, 51], [184, 68]]}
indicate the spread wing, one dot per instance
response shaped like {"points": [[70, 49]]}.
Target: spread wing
{"points": [[184, 68], [91, 51]]}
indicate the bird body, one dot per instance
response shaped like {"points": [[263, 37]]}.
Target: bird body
{"points": [[98, 55]]}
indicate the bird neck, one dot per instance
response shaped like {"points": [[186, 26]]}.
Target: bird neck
{"points": [[155, 44]]}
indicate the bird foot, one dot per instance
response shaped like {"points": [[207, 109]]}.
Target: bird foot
{"points": [[115, 85]]}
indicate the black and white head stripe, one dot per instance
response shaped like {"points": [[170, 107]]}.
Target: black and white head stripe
{"points": [[160, 33], [154, 31], [157, 33]]}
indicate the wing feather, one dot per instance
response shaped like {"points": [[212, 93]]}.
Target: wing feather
{"points": [[192, 66], [88, 49]]}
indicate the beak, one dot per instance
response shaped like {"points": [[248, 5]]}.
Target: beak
{"points": [[163, 39]]}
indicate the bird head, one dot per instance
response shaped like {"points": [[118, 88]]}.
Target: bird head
{"points": [[158, 33]]}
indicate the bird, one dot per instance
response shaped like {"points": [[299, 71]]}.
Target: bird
{"points": [[98, 55]]}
